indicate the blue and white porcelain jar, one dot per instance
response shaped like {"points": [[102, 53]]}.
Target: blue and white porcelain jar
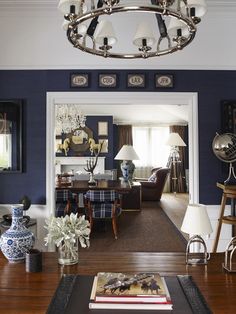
{"points": [[17, 240]]}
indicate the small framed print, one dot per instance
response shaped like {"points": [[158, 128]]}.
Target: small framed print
{"points": [[164, 80], [136, 80], [104, 143], [102, 128], [107, 80], [79, 80], [228, 110]]}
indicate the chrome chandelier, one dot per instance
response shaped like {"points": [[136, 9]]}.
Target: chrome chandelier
{"points": [[159, 27], [68, 117]]}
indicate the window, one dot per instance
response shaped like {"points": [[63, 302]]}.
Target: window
{"points": [[149, 143], [5, 151]]}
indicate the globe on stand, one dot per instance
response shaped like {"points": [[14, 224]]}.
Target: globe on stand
{"points": [[224, 147]]}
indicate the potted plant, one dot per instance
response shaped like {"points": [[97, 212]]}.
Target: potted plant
{"points": [[66, 232]]}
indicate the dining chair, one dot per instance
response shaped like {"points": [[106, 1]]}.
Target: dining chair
{"points": [[103, 204], [66, 202]]}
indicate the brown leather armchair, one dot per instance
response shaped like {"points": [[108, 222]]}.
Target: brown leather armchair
{"points": [[153, 187]]}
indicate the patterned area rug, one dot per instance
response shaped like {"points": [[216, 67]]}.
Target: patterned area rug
{"points": [[149, 230]]}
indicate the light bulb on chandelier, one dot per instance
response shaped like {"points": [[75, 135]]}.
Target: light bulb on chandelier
{"points": [[162, 26]]}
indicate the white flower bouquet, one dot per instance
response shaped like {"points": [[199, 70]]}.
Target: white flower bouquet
{"points": [[65, 233]]}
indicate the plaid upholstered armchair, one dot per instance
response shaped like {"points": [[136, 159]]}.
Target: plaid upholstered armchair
{"points": [[66, 202], [103, 204]]}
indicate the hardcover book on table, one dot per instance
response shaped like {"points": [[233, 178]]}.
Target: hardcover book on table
{"points": [[73, 296], [127, 291]]}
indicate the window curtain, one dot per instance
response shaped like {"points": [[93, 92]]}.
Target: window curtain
{"points": [[180, 167], [149, 143], [124, 138]]}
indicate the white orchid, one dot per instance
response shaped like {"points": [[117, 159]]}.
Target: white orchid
{"points": [[66, 230]]}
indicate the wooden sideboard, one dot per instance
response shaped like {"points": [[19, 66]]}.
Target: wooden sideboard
{"points": [[31, 293], [132, 199]]}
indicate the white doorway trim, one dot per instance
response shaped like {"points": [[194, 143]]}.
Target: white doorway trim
{"points": [[124, 98]]}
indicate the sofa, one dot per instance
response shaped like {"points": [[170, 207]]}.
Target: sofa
{"points": [[152, 188]]}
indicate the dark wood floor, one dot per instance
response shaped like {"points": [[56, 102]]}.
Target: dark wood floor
{"points": [[175, 206]]}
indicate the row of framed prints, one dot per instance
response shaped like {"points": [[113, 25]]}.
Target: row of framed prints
{"points": [[78, 80]]}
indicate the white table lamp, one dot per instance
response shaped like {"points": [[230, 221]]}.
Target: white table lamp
{"points": [[197, 223], [127, 154]]}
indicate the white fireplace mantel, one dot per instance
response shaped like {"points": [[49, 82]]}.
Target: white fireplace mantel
{"points": [[67, 164]]}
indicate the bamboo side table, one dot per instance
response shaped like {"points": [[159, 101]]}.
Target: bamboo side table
{"points": [[229, 191]]}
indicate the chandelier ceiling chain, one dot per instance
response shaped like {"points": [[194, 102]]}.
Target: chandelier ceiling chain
{"points": [[91, 26]]}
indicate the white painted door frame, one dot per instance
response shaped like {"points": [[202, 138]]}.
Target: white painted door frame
{"points": [[124, 98]]}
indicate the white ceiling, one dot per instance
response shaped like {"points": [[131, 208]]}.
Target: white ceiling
{"points": [[54, 3], [40, 42], [134, 114]]}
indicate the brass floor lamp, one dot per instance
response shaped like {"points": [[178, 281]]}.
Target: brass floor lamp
{"points": [[174, 141]]}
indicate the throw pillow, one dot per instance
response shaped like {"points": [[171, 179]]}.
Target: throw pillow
{"points": [[152, 178]]}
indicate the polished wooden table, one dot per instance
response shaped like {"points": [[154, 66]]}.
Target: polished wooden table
{"points": [[31, 293], [83, 186]]}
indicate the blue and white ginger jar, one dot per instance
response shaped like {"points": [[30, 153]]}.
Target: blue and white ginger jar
{"points": [[17, 240]]}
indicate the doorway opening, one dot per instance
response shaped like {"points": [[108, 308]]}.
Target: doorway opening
{"points": [[124, 99]]}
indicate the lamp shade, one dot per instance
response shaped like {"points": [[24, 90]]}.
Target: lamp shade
{"points": [[196, 220], [105, 30], [64, 6], [176, 24], [144, 32], [199, 5], [175, 140], [127, 152], [82, 28]]}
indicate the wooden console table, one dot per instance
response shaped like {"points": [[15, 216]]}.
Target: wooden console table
{"points": [[31, 293], [132, 199], [229, 192], [83, 186]]}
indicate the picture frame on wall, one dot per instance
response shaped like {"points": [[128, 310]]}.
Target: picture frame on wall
{"points": [[11, 131], [164, 80], [102, 128], [228, 109], [107, 80], [78, 80], [104, 145], [136, 80]]}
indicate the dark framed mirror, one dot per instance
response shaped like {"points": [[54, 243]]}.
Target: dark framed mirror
{"points": [[11, 136], [79, 139]]}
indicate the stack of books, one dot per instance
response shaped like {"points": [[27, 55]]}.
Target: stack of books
{"points": [[143, 291]]}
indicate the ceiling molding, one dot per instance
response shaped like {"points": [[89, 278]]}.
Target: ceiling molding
{"points": [[46, 4]]}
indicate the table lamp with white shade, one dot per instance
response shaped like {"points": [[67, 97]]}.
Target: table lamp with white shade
{"points": [[127, 154], [197, 224]]}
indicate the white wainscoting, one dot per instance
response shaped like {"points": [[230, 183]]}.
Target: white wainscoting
{"points": [[39, 212], [226, 230]]}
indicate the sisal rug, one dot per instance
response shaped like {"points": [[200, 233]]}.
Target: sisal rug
{"points": [[149, 230]]}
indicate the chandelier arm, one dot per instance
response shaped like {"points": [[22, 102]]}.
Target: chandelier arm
{"points": [[161, 25], [160, 22], [92, 5], [93, 25], [135, 8]]}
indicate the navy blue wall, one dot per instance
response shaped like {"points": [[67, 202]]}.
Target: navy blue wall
{"points": [[212, 88]]}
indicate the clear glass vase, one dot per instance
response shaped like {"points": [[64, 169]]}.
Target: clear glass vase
{"points": [[68, 253]]}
